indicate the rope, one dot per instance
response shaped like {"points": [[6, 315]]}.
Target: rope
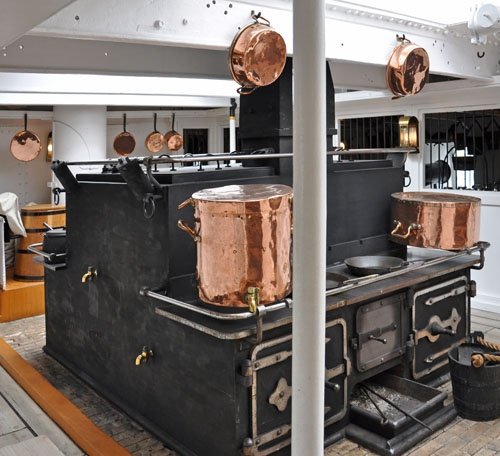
{"points": [[478, 359], [490, 345]]}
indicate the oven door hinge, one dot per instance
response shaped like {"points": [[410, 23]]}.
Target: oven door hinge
{"points": [[472, 289], [410, 349], [373, 334], [245, 375]]}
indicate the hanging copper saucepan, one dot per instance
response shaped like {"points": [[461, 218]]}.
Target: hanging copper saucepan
{"points": [[257, 55], [25, 145], [172, 139], [124, 143], [408, 68], [154, 141]]}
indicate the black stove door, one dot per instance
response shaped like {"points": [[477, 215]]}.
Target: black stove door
{"points": [[379, 336], [271, 370], [439, 322]]}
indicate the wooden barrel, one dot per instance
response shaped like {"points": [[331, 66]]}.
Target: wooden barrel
{"points": [[33, 219]]}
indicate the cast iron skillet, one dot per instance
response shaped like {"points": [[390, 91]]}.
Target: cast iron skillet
{"points": [[374, 264]]}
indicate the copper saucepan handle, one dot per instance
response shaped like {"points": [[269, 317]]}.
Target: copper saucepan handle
{"points": [[412, 229], [186, 203], [245, 90], [182, 224]]}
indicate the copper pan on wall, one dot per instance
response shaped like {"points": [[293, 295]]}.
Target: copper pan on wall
{"points": [[124, 143], [408, 68], [154, 141], [243, 240], [436, 220], [172, 139], [257, 55], [25, 145]]}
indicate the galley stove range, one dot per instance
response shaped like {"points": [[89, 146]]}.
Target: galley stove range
{"points": [[123, 312]]}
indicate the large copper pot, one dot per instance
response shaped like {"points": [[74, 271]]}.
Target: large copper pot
{"points": [[243, 240], [408, 68], [257, 56], [437, 220]]}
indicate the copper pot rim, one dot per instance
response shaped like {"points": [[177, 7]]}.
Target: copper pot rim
{"points": [[217, 194], [440, 199], [397, 65], [18, 138], [241, 78]]}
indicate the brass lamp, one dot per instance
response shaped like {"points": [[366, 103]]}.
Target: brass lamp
{"points": [[408, 132]]}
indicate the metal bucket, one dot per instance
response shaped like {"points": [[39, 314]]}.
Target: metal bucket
{"points": [[476, 391]]}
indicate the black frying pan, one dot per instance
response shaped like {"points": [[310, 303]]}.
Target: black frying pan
{"points": [[374, 264]]}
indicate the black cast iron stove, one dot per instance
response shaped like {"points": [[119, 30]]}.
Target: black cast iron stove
{"points": [[123, 313]]}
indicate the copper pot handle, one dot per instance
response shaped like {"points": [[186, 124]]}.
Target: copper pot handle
{"points": [[412, 229], [182, 224], [186, 203], [245, 90], [260, 20]]}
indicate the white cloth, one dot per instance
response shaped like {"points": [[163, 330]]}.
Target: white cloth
{"points": [[3, 278], [10, 208]]}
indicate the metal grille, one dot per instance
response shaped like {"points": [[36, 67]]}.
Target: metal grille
{"points": [[370, 132], [461, 150]]}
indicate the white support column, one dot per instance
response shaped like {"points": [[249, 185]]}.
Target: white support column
{"points": [[79, 133], [309, 227]]}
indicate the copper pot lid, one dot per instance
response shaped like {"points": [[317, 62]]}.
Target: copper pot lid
{"points": [[434, 198], [408, 68], [173, 139], [124, 143], [242, 193], [154, 141], [257, 55], [25, 145]]}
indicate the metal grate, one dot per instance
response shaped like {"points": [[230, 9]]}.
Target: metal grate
{"points": [[461, 150], [369, 133]]}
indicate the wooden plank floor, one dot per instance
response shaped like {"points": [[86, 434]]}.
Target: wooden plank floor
{"points": [[461, 437]]}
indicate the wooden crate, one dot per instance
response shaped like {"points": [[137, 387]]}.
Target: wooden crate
{"points": [[21, 299]]}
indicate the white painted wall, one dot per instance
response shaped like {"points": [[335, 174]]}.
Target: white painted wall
{"points": [[440, 98]]}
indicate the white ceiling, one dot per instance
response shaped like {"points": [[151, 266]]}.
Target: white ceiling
{"points": [[19, 16], [191, 38]]}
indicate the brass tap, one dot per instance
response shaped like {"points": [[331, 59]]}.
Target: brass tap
{"points": [[253, 299], [144, 355], [89, 275]]}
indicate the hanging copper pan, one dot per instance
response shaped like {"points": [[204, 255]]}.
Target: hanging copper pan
{"points": [[154, 141], [25, 145], [124, 143], [408, 68], [257, 55], [172, 139]]}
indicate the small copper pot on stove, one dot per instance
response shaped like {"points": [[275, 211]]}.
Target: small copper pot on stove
{"points": [[257, 55], [243, 240], [437, 220]]}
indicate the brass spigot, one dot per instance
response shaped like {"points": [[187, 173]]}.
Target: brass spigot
{"points": [[253, 299], [89, 275], [144, 355]]}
